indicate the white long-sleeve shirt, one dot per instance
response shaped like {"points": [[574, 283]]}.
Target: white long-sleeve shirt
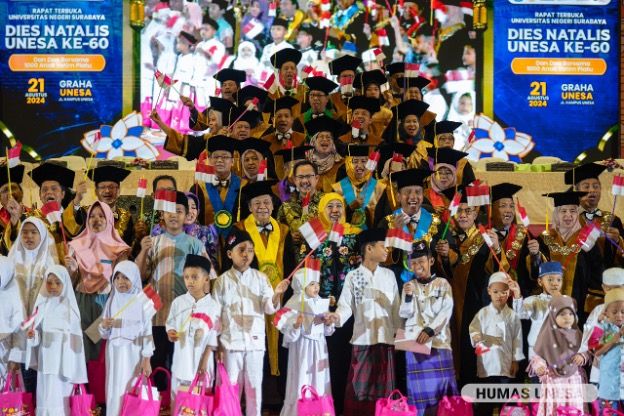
{"points": [[501, 331], [592, 321], [431, 307], [534, 308], [245, 298], [373, 300]]}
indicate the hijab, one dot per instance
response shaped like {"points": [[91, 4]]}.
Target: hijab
{"points": [[242, 157], [8, 294], [327, 223], [351, 172], [565, 233], [324, 163], [300, 281], [96, 252], [241, 63], [30, 265], [557, 345], [194, 15], [434, 178]]}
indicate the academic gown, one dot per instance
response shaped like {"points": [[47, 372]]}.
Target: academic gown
{"points": [[370, 192], [229, 198], [514, 242], [612, 257]]}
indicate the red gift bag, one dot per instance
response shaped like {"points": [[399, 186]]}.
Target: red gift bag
{"points": [[454, 406], [134, 405], [570, 411], [81, 404], [13, 399], [165, 395], [394, 407], [96, 374], [227, 402], [515, 409], [193, 403], [314, 405]]}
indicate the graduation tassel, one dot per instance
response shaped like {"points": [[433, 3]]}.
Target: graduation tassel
{"points": [[546, 220], [9, 173], [240, 189]]}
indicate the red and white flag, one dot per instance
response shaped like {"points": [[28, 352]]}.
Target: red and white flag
{"points": [[202, 320], [379, 56], [313, 269], [486, 236], [282, 316], [325, 5], [253, 28], [325, 19], [262, 167], [382, 37], [52, 211], [481, 348], [253, 104], [478, 194], [204, 172], [164, 81], [273, 9], [373, 160], [398, 238], [412, 70], [313, 232], [522, 213], [384, 87], [13, 155], [454, 205], [142, 188], [618, 185], [307, 71], [397, 157], [271, 84], [29, 322], [165, 200], [150, 300], [336, 233], [355, 128], [346, 85], [589, 235]]}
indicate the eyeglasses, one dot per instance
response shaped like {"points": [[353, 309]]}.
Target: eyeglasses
{"points": [[465, 211], [315, 95], [304, 177], [107, 187], [220, 158]]}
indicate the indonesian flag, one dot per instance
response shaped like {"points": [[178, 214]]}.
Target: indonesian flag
{"points": [[142, 188], [325, 19], [355, 128], [313, 269], [273, 9], [382, 37], [398, 238], [618, 185], [52, 211], [271, 84], [379, 56], [486, 236], [150, 300], [384, 87], [313, 232], [164, 81], [204, 172], [481, 348], [346, 85], [29, 322], [307, 70], [262, 170], [524, 218], [253, 104], [466, 7], [203, 320], [13, 155], [397, 157], [336, 233], [478, 194], [252, 29], [325, 5], [588, 236], [373, 160], [454, 205], [412, 70], [165, 200], [282, 316]]}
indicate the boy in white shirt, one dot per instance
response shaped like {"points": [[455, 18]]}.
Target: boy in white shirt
{"points": [[193, 325], [245, 295], [496, 333], [371, 295]]}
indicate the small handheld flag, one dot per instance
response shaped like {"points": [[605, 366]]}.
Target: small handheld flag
{"points": [[254, 102], [373, 160], [142, 188], [336, 233], [522, 213], [273, 9], [398, 238], [355, 128], [481, 349], [313, 232], [202, 319], [382, 37], [13, 156], [204, 173], [618, 185], [150, 300], [588, 236], [346, 85], [486, 236], [165, 200], [262, 167], [313, 268], [478, 194], [52, 211], [411, 70], [284, 315], [271, 84], [30, 320]]}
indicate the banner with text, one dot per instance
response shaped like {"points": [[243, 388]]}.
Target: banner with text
{"points": [[556, 71], [60, 70]]}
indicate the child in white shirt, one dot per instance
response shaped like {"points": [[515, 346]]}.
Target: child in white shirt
{"points": [[12, 343]]}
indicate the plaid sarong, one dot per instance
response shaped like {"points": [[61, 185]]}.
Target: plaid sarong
{"points": [[430, 377], [371, 376]]}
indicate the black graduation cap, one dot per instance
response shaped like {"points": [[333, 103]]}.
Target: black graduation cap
{"points": [[367, 103], [419, 249], [320, 84], [312, 31], [223, 5], [447, 126], [387, 150], [395, 68], [279, 58], [193, 260], [17, 174], [188, 37], [222, 106], [370, 77], [445, 155], [207, 20], [295, 153], [236, 237], [411, 177], [258, 188], [357, 150], [424, 30], [566, 198], [586, 171], [278, 21], [409, 82], [53, 172], [344, 63], [319, 124], [259, 145], [108, 174], [504, 190], [228, 74], [415, 107], [250, 116], [221, 142], [282, 103], [182, 199], [249, 92], [372, 235]]}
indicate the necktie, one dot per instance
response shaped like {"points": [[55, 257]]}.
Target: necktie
{"points": [[285, 136], [315, 115], [590, 215], [414, 220], [220, 184], [266, 228]]}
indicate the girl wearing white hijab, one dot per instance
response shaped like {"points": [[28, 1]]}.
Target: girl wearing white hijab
{"points": [[32, 254], [11, 316], [130, 344], [304, 336], [247, 61], [54, 345]]}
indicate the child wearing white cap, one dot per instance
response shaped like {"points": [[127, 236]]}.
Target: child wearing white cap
{"points": [[496, 333]]}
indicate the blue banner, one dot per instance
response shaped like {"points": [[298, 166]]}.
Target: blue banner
{"points": [[556, 71], [60, 70]]}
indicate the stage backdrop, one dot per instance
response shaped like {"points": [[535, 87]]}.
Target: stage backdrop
{"points": [[556, 71], [60, 70]]}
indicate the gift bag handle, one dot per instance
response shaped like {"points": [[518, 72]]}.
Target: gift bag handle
{"points": [[8, 382], [309, 389], [202, 380], [223, 375], [80, 388], [140, 379], [395, 391], [14, 382]]}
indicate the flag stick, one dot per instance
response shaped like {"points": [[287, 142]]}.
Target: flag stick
{"points": [[152, 221], [123, 308], [612, 210], [446, 228], [300, 264], [8, 173], [64, 237]]}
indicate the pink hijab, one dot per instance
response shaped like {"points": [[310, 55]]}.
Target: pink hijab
{"points": [[97, 253]]}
